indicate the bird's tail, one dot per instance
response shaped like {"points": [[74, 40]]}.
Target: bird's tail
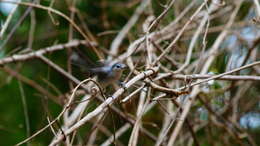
{"points": [[81, 60]]}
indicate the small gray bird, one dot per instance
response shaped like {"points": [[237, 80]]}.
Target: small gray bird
{"points": [[106, 72]]}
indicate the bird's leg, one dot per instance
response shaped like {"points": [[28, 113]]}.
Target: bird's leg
{"points": [[121, 84]]}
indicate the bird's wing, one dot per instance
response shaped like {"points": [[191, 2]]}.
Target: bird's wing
{"points": [[102, 72]]}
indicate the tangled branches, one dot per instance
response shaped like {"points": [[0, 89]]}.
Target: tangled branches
{"points": [[181, 68]]}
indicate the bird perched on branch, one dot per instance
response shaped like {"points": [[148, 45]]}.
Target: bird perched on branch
{"points": [[107, 73]]}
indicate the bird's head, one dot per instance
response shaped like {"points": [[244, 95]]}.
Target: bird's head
{"points": [[118, 67]]}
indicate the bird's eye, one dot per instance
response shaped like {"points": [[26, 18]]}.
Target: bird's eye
{"points": [[118, 66]]}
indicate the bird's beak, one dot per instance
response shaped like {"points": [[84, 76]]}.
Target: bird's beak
{"points": [[124, 66]]}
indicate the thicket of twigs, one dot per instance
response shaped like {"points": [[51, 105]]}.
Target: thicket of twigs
{"points": [[193, 72]]}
